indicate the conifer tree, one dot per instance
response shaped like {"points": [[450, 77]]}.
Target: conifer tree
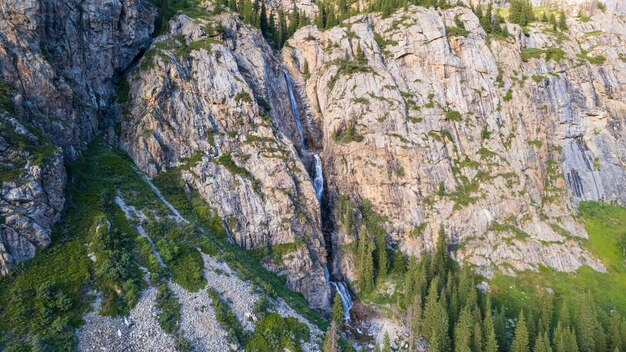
{"points": [[553, 22], [386, 343], [562, 22], [570, 341], [381, 241], [530, 324], [366, 264], [440, 257], [263, 23], [331, 339], [436, 318], [490, 339], [542, 344], [615, 330], [585, 323], [477, 336], [559, 338], [463, 332], [337, 315], [499, 325], [414, 320], [282, 28], [520, 341]]}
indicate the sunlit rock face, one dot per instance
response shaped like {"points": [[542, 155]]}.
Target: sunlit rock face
{"points": [[461, 132]]}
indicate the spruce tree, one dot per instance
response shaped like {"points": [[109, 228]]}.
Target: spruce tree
{"points": [[571, 344], [499, 325], [559, 338], [337, 315], [436, 319], [381, 241], [463, 332], [542, 344], [366, 264], [585, 323], [414, 320], [562, 22], [263, 23], [520, 341], [477, 337], [282, 29], [490, 339], [331, 339], [614, 333], [440, 257], [386, 343]]}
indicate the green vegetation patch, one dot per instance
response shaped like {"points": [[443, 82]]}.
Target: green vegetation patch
{"points": [[555, 54], [276, 333], [606, 226]]}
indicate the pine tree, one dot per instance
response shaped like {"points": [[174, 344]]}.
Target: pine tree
{"points": [[463, 332], [486, 23], [366, 264], [282, 28], [343, 9], [331, 338], [553, 22], [585, 323], [381, 241], [386, 343], [414, 320], [515, 12], [477, 337], [436, 318], [440, 257], [337, 315], [263, 24], [545, 313], [490, 340], [559, 338], [562, 22], [520, 341], [530, 324], [271, 35], [529, 14], [542, 344], [499, 325], [614, 333], [570, 341]]}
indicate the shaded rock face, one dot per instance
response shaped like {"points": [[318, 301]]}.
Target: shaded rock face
{"points": [[58, 63], [460, 132], [62, 58], [211, 96], [31, 197]]}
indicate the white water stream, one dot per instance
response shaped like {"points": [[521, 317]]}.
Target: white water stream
{"points": [[318, 184]]}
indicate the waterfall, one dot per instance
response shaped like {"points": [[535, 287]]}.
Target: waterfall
{"points": [[318, 181], [346, 299], [294, 107]]}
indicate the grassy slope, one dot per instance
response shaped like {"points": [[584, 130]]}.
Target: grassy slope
{"points": [[606, 225], [93, 182]]}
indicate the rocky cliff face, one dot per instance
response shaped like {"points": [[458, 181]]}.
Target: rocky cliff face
{"points": [[211, 96], [58, 64], [31, 197], [482, 136]]}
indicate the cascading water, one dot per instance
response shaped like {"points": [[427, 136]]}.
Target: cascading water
{"points": [[294, 107], [318, 181], [346, 299], [318, 184]]}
